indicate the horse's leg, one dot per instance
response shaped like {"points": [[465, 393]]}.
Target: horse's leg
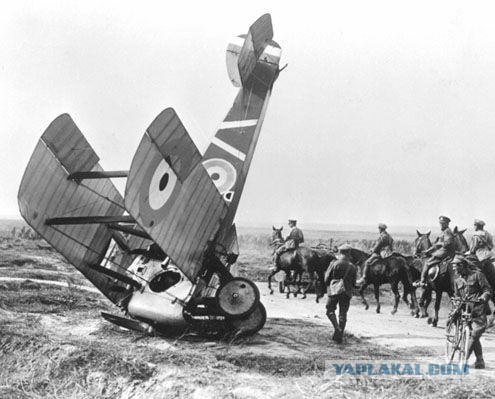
{"points": [[288, 279], [310, 284], [395, 290], [270, 280], [425, 301], [297, 282], [363, 299], [377, 297], [438, 300]]}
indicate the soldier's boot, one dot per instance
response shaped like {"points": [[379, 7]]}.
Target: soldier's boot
{"points": [[342, 323], [424, 274], [475, 346], [337, 335], [362, 280]]}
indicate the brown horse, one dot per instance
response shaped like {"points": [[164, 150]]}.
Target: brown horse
{"points": [[295, 262], [391, 270]]}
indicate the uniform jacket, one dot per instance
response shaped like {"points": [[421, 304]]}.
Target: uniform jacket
{"points": [[294, 238], [473, 286], [384, 245], [445, 241], [481, 245], [341, 268]]}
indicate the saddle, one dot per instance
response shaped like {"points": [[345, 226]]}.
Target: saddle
{"points": [[439, 269]]}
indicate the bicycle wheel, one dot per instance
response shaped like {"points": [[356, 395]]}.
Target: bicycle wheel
{"points": [[464, 344], [452, 338]]}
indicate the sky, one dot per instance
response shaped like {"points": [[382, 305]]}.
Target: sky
{"points": [[385, 112]]}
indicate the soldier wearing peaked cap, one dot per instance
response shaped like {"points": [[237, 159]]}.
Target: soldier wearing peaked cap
{"points": [[340, 278], [383, 248], [443, 247], [481, 242], [472, 285], [292, 240]]}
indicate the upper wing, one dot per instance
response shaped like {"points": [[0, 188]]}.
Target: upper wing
{"points": [[48, 194], [170, 194]]}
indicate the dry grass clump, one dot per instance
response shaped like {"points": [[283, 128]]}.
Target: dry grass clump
{"points": [[37, 365], [414, 388], [31, 297]]}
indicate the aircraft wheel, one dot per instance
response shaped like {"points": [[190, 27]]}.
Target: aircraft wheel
{"points": [[252, 323], [238, 297]]}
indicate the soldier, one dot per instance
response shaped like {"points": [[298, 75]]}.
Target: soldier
{"points": [[481, 242], [383, 248], [472, 285], [444, 247], [292, 240], [340, 278]]}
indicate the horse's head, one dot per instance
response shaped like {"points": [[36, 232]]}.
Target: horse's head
{"points": [[277, 235], [357, 256], [422, 243], [460, 241]]}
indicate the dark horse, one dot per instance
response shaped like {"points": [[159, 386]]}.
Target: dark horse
{"points": [[391, 270], [441, 277], [295, 262]]}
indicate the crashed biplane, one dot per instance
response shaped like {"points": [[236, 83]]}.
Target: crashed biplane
{"points": [[163, 252]]}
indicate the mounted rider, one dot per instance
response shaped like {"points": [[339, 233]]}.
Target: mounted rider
{"points": [[472, 285], [292, 240], [444, 247], [383, 248], [481, 242]]}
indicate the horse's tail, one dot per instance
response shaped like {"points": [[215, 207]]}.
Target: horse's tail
{"points": [[406, 275]]}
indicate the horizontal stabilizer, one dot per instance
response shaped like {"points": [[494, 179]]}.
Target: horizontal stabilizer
{"points": [[171, 196], [46, 193], [260, 33]]}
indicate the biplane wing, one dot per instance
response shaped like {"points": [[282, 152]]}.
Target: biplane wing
{"points": [[76, 216], [170, 194]]}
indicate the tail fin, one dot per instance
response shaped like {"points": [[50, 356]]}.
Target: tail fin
{"points": [[254, 66], [246, 51], [48, 193]]}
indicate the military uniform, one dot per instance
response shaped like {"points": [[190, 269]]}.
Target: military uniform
{"points": [[445, 248], [474, 286], [383, 248], [481, 245], [340, 278], [292, 240]]}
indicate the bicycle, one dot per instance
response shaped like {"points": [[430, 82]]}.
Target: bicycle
{"points": [[458, 330]]}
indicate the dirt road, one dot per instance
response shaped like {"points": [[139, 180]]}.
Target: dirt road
{"points": [[411, 336]]}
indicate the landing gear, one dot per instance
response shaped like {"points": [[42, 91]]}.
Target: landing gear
{"points": [[237, 298], [252, 323]]}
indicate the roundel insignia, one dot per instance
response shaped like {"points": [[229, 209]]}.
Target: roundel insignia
{"points": [[159, 189], [223, 174], [162, 185]]}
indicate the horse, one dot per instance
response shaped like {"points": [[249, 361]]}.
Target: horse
{"points": [[438, 281], [313, 261], [390, 270]]}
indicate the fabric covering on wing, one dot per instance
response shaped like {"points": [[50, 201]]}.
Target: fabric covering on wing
{"points": [[170, 194], [46, 192]]}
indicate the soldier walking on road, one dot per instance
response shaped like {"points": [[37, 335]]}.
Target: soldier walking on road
{"points": [[340, 279]]}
